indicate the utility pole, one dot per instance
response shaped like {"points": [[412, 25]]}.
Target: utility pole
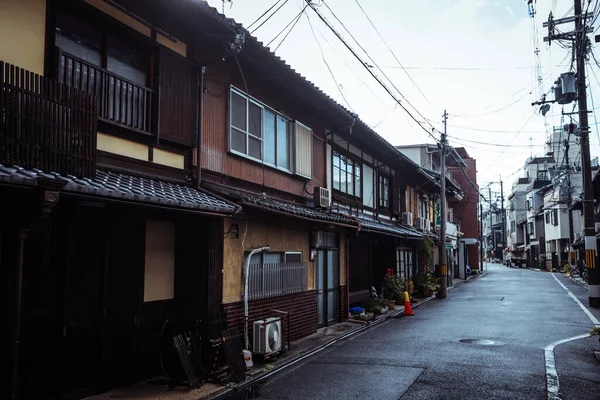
{"points": [[570, 199], [492, 232], [591, 253], [443, 268], [480, 235], [503, 217], [581, 45]]}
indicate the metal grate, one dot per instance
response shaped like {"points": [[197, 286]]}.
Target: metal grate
{"points": [[276, 279]]}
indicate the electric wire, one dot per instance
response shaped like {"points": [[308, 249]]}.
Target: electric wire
{"points": [[263, 14], [374, 63], [269, 17], [365, 65], [337, 85], [294, 21], [394, 55]]}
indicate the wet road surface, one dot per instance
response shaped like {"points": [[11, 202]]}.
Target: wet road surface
{"points": [[514, 313]]}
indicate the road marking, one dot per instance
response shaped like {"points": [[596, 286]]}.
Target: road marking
{"points": [[552, 382], [584, 308], [553, 385]]}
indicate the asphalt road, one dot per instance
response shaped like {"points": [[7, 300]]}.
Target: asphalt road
{"points": [[421, 357]]}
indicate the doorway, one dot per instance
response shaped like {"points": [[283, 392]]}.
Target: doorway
{"points": [[327, 283]]}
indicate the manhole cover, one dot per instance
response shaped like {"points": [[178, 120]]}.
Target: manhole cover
{"points": [[483, 342]]}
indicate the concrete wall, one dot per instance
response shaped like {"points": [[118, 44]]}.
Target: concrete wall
{"points": [[22, 33]]}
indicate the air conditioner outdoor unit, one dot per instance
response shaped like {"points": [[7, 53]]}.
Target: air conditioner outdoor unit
{"points": [[407, 218], [427, 225], [322, 197], [317, 239], [420, 223], [267, 336]]}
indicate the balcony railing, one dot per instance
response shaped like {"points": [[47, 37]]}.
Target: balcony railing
{"points": [[120, 101], [45, 124], [276, 279]]}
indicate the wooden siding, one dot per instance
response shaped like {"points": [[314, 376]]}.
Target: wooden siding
{"points": [[178, 98], [45, 124], [215, 141]]}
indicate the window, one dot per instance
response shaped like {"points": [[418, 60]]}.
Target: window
{"points": [[423, 207], [547, 217], [542, 175], [530, 228], [346, 175], [527, 205], [513, 226], [554, 217], [384, 191], [258, 132], [276, 274], [404, 262]]}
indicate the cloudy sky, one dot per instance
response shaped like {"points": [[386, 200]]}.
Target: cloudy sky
{"points": [[474, 58]]}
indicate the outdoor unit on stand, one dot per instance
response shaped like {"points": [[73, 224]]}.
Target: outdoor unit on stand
{"points": [[322, 197], [267, 336], [427, 226], [420, 223]]}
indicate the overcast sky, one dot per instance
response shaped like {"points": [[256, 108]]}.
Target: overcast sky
{"points": [[474, 58]]}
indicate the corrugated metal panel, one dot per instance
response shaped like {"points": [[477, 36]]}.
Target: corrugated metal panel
{"points": [[303, 150]]}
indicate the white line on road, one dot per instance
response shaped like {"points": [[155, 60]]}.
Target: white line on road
{"points": [[551, 375], [584, 308], [552, 382]]}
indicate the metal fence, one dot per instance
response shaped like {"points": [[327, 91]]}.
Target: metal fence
{"points": [[276, 279]]}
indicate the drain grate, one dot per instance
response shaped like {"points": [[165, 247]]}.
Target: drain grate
{"points": [[482, 342]]}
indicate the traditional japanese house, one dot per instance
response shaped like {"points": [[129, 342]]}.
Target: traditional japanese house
{"points": [[105, 232]]}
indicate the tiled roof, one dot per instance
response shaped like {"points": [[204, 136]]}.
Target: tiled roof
{"points": [[125, 187], [293, 209], [371, 225]]}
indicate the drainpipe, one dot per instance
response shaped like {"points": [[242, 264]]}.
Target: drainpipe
{"points": [[246, 273], [16, 322], [199, 117]]}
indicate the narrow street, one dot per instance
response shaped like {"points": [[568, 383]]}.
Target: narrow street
{"points": [[422, 357]]}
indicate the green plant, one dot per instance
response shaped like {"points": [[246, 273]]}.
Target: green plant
{"points": [[596, 332], [427, 246], [428, 281], [375, 304], [393, 287]]}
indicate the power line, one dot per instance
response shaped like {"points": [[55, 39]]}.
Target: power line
{"points": [[365, 65], [263, 14], [513, 139], [294, 21], [327, 65], [394, 55], [269, 17]]}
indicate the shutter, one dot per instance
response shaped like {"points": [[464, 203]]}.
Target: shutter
{"points": [[303, 150], [178, 98]]}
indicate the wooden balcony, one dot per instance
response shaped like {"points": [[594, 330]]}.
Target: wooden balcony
{"points": [[120, 101], [45, 124]]}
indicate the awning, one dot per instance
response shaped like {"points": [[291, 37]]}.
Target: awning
{"points": [[124, 187], [270, 204], [370, 225]]}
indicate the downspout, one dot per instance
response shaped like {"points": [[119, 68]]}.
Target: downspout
{"points": [[16, 322], [199, 116], [246, 274]]}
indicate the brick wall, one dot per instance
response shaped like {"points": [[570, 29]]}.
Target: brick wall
{"points": [[344, 303], [303, 308]]}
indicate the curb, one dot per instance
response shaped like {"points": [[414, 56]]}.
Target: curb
{"points": [[222, 394], [582, 284]]}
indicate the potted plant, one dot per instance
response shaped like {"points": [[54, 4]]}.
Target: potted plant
{"points": [[393, 289], [429, 282], [377, 305]]}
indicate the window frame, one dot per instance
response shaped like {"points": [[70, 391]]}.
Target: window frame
{"points": [[357, 166], [290, 145], [381, 178]]}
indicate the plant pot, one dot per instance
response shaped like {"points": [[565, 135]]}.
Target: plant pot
{"points": [[392, 304], [426, 292], [399, 301]]}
